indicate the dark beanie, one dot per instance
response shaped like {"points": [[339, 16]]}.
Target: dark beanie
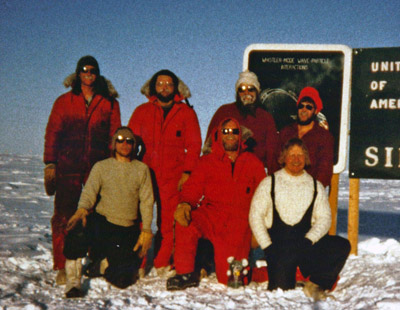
{"points": [[87, 61]]}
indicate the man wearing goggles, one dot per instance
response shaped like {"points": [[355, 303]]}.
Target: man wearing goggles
{"points": [[78, 135], [112, 230], [215, 204], [247, 110], [319, 140]]}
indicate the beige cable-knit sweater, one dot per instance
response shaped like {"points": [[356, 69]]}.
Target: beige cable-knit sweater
{"points": [[123, 188], [293, 196]]}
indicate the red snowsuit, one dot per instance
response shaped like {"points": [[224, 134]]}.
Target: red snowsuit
{"points": [[222, 216], [172, 146], [319, 142], [263, 128], [76, 138]]}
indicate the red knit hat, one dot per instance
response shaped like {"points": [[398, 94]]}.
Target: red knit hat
{"points": [[313, 94]]}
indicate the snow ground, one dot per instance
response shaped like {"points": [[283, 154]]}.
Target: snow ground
{"points": [[370, 280]]}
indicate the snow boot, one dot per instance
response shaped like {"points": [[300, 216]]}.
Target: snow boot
{"points": [[314, 291], [73, 270], [61, 278], [182, 281]]}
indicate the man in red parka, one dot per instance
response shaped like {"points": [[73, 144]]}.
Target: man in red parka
{"points": [[318, 140], [170, 133], [248, 112], [215, 205], [78, 135]]}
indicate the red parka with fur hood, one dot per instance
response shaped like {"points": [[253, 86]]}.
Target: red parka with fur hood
{"points": [[172, 147], [76, 138], [222, 215]]}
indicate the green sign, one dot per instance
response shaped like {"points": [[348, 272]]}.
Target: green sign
{"points": [[375, 114]]}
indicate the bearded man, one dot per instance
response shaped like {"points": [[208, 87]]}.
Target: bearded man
{"points": [[319, 141], [248, 112], [215, 205], [171, 138]]}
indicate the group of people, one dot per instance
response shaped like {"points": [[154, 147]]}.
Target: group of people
{"points": [[107, 177]]}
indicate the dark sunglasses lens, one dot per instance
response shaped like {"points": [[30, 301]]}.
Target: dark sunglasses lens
{"points": [[91, 71], [308, 107], [128, 140], [242, 89], [226, 131]]}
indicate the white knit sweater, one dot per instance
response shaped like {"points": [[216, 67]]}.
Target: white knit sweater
{"points": [[293, 196]]}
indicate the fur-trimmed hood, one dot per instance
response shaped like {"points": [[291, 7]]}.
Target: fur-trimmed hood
{"points": [[246, 133], [183, 89], [112, 92]]}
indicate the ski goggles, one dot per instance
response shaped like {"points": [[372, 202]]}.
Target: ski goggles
{"points": [[249, 88], [94, 71], [227, 131], [121, 139]]}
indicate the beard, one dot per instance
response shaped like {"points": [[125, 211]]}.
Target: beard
{"points": [[307, 121], [231, 147], [248, 99], [165, 99], [249, 108]]}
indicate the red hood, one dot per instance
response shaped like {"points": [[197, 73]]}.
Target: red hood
{"points": [[217, 147]]}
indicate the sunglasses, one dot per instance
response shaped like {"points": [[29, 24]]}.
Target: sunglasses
{"points": [[307, 106], [121, 139], [226, 131], [249, 88], [88, 70]]}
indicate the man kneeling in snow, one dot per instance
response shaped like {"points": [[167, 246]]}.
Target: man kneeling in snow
{"points": [[224, 181], [290, 218], [116, 187]]}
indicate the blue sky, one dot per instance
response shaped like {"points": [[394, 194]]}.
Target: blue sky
{"points": [[201, 41]]}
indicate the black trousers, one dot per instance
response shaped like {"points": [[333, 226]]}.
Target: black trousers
{"points": [[322, 262], [106, 240]]}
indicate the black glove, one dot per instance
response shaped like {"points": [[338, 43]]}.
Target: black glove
{"points": [[305, 243], [270, 253]]}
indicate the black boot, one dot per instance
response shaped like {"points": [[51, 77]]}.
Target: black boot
{"points": [[74, 293], [182, 281]]}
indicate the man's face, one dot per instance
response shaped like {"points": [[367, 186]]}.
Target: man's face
{"points": [[165, 88], [88, 75], [247, 93], [306, 112], [230, 136], [295, 160], [124, 146]]}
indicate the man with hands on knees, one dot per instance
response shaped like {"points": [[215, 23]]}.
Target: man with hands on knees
{"points": [[290, 219], [107, 221], [215, 204]]}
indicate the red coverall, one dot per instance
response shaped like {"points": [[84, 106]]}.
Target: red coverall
{"points": [[76, 138], [222, 216], [172, 146]]}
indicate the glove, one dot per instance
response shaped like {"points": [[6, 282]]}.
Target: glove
{"points": [[50, 179], [270, 253], [183, 214], [144, 241]]}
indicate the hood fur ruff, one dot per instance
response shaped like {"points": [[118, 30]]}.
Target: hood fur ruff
{"points": [[183, 89], [246, 134], [70, 79]]}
